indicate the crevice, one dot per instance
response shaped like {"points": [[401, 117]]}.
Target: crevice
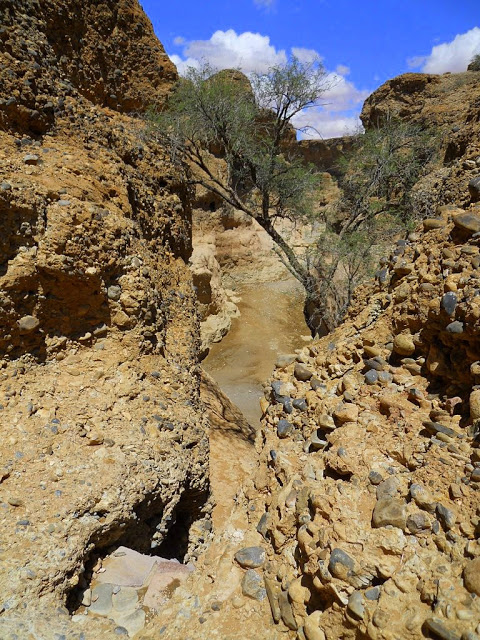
{"points": [[154, 530]]}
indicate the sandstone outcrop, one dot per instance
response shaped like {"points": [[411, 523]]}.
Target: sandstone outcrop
{"points": [[355, 513], [372, 494], [103, 435], [450, 104]]}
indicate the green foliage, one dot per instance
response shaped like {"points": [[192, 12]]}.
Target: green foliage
{"points": [[381, 170], [475, 63], [221, 114], [377, 177]]}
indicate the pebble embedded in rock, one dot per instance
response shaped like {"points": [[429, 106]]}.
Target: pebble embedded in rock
{"points": [[27, 324], [389, 511], [315, 384], [467, 222], [403, 344], [250, 557], [377, 363], [388, 488], [301, 372], [252, 585], [475, 476], [114, 292], [471, 576], [375, 477], [422, 498], [455, 327], [300, 404], [418, 522], [373, 593], [385, 377], [284, 428], [449, 303], [371, 377], [341, 565], [356, 605], [262, 526], [446, 517], [435, 427], [474, 188]]}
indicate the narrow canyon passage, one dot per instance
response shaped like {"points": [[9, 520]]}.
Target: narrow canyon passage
{"points": [[271, 323]]}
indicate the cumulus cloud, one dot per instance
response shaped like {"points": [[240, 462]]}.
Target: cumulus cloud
{"points": [[326, 124], [226, 49], [342, 69], [253, 52], [305, 55], [450, 56], [342, 94]]}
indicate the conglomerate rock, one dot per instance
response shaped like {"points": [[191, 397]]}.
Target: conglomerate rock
{"points": [[371, 501], [449, 105], [103, 436]]}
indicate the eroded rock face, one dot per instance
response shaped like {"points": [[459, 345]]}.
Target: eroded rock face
{"points": [[103, 438], [106, 51], [380, 525], [216, 306], [449, 104]]}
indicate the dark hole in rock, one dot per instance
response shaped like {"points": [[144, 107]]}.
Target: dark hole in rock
{"points": [[149, 534], [188, 510]]}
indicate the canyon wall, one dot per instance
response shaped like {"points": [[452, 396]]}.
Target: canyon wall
{"points": [[103, 439]]}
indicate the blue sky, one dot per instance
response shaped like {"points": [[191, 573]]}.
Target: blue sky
{"points": [[362, 44]]}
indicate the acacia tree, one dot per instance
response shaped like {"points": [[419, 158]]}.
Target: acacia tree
{"points": [[380, 171], [249, 125], [377, 176]]}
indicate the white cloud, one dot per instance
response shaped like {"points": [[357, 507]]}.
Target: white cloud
{"points": [[179, 40], [342, 94], [253, 52], [184, 64], [226, 50], [342, 69], [305, 55], [450, 56], [326, 124]]}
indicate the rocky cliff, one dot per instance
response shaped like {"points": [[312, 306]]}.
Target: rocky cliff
{"points": [[355, 515], [103, 439], [362, 518], [450, 105]]}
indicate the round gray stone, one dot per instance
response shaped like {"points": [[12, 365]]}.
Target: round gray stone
{"points": [[250, 557]]}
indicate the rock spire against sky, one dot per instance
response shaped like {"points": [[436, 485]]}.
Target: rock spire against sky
{"points": [[361, 43]]}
